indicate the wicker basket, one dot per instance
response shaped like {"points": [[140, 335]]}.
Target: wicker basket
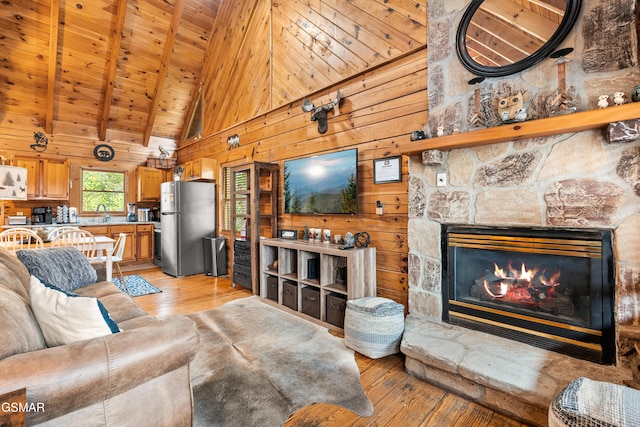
{"points": [[373, 326]]}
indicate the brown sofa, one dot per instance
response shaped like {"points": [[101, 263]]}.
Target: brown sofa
{"points": [[139, 376]]}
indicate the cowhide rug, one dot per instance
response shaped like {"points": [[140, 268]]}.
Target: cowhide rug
{"points": [[257, 365]]}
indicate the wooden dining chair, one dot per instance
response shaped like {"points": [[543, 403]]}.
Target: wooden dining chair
{"points": [[116, 258], [82, 240], [57, 230], [18, 238]]}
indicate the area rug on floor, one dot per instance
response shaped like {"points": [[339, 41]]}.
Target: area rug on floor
{"points": [[136, 285], [256, 365]]}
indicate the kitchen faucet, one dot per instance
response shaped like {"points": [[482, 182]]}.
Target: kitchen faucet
{"points": [[105, 218]]}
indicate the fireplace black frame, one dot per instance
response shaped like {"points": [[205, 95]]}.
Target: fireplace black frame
{"points": [[597, 346]]}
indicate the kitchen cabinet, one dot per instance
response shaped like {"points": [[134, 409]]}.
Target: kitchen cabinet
{"points": [[149, 180], [203, 169], [114, 231], [139, 244], [130, 245], [144, 242], [47, 179]]}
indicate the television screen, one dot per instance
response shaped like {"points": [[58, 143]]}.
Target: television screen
{"points": [[323, 184]]}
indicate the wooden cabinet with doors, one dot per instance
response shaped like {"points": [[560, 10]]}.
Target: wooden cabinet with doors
{"points": [[144, 242], [47, 179], [114, 231], [139, 244], [254, 213], [130, 244], [149, 180], [203, 169]]}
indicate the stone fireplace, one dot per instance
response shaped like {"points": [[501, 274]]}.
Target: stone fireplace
{"points": [[547, 287], [575, 181]]}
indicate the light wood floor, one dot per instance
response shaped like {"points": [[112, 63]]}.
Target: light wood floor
{"points": [[399, 399]]}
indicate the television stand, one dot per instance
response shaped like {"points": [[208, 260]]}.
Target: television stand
{"points": [[314, 280]]}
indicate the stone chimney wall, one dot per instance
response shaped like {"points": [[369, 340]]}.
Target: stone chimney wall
{"points": [[578, 180]]}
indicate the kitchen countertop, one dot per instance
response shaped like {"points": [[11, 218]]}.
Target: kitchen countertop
{"points": [[88, 223]]}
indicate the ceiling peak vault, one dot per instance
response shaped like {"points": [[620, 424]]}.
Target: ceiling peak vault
{"points": [[122, 70]]}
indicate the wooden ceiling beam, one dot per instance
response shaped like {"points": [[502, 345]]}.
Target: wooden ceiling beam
{"points": [[112, 68], [53, 65], [164, 67]]}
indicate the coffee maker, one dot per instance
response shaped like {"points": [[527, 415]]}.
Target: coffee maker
{"points": [[42, 215]]}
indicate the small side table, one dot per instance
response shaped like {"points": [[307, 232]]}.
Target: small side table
{"points": [[9, 415]]}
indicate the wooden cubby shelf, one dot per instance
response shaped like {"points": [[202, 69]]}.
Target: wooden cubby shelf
{"points": [[313, 279]]}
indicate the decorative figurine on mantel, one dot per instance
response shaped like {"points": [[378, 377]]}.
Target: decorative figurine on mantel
{"points": [[635, 95], [511, 106], [562, 103], [305, 235], [619, 98], [603, 101], [477, 119]]}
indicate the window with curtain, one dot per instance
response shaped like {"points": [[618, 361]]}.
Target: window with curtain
{"points": [[241, 201], [225, 204]]}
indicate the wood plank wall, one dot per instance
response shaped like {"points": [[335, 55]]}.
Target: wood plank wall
{"points": [[76, 144], [381, 107], [266, 54]]}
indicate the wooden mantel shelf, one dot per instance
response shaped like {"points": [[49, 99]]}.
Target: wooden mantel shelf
{"points": [[586, 120]]}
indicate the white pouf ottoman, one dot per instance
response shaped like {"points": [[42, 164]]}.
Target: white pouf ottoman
{"points": [[373, 326], [589, 403]]}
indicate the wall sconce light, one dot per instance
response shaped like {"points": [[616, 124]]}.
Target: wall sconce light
{"points": [[41, 142], [13, 183]]}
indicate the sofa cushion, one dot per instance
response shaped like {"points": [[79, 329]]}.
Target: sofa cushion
{"points": [[65, 318], [20, 332], [121, 306], [65, 267], [13, 274]]}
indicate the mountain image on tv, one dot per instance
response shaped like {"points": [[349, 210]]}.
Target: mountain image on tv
{"points": [[324, 184]]}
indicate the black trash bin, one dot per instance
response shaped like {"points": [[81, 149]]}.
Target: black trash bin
{"points": [[215, 256]]}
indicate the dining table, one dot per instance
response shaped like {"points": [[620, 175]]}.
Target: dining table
{"points": [[105, 245]]}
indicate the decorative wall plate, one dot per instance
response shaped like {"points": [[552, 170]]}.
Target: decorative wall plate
{"points": [[103, 152]]}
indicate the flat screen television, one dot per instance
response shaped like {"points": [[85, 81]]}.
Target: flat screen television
{"points": [[322, 184]]}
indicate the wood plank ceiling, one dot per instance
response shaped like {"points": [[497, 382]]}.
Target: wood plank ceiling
{"points": [[264, 55], [127, 68]]}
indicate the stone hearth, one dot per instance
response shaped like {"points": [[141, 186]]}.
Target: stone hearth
{"points": [[510, 377]]}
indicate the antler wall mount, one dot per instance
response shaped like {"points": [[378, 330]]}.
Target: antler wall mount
{"points": [[319, 114]]}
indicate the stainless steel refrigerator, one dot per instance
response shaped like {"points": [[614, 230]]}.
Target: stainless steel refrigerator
{"points": [[188, 214]]}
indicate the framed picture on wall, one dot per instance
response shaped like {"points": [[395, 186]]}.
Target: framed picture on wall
{"points": [[289, 234], [387, 169]]}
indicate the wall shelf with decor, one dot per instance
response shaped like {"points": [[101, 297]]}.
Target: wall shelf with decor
{"points": [[313, 279], [576, 122]]}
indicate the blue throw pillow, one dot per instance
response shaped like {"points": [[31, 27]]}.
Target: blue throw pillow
{"points": [[64, 267], [65, 317]]}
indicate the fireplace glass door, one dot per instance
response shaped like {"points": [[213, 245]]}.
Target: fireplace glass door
{"points": [[545, 287]]}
